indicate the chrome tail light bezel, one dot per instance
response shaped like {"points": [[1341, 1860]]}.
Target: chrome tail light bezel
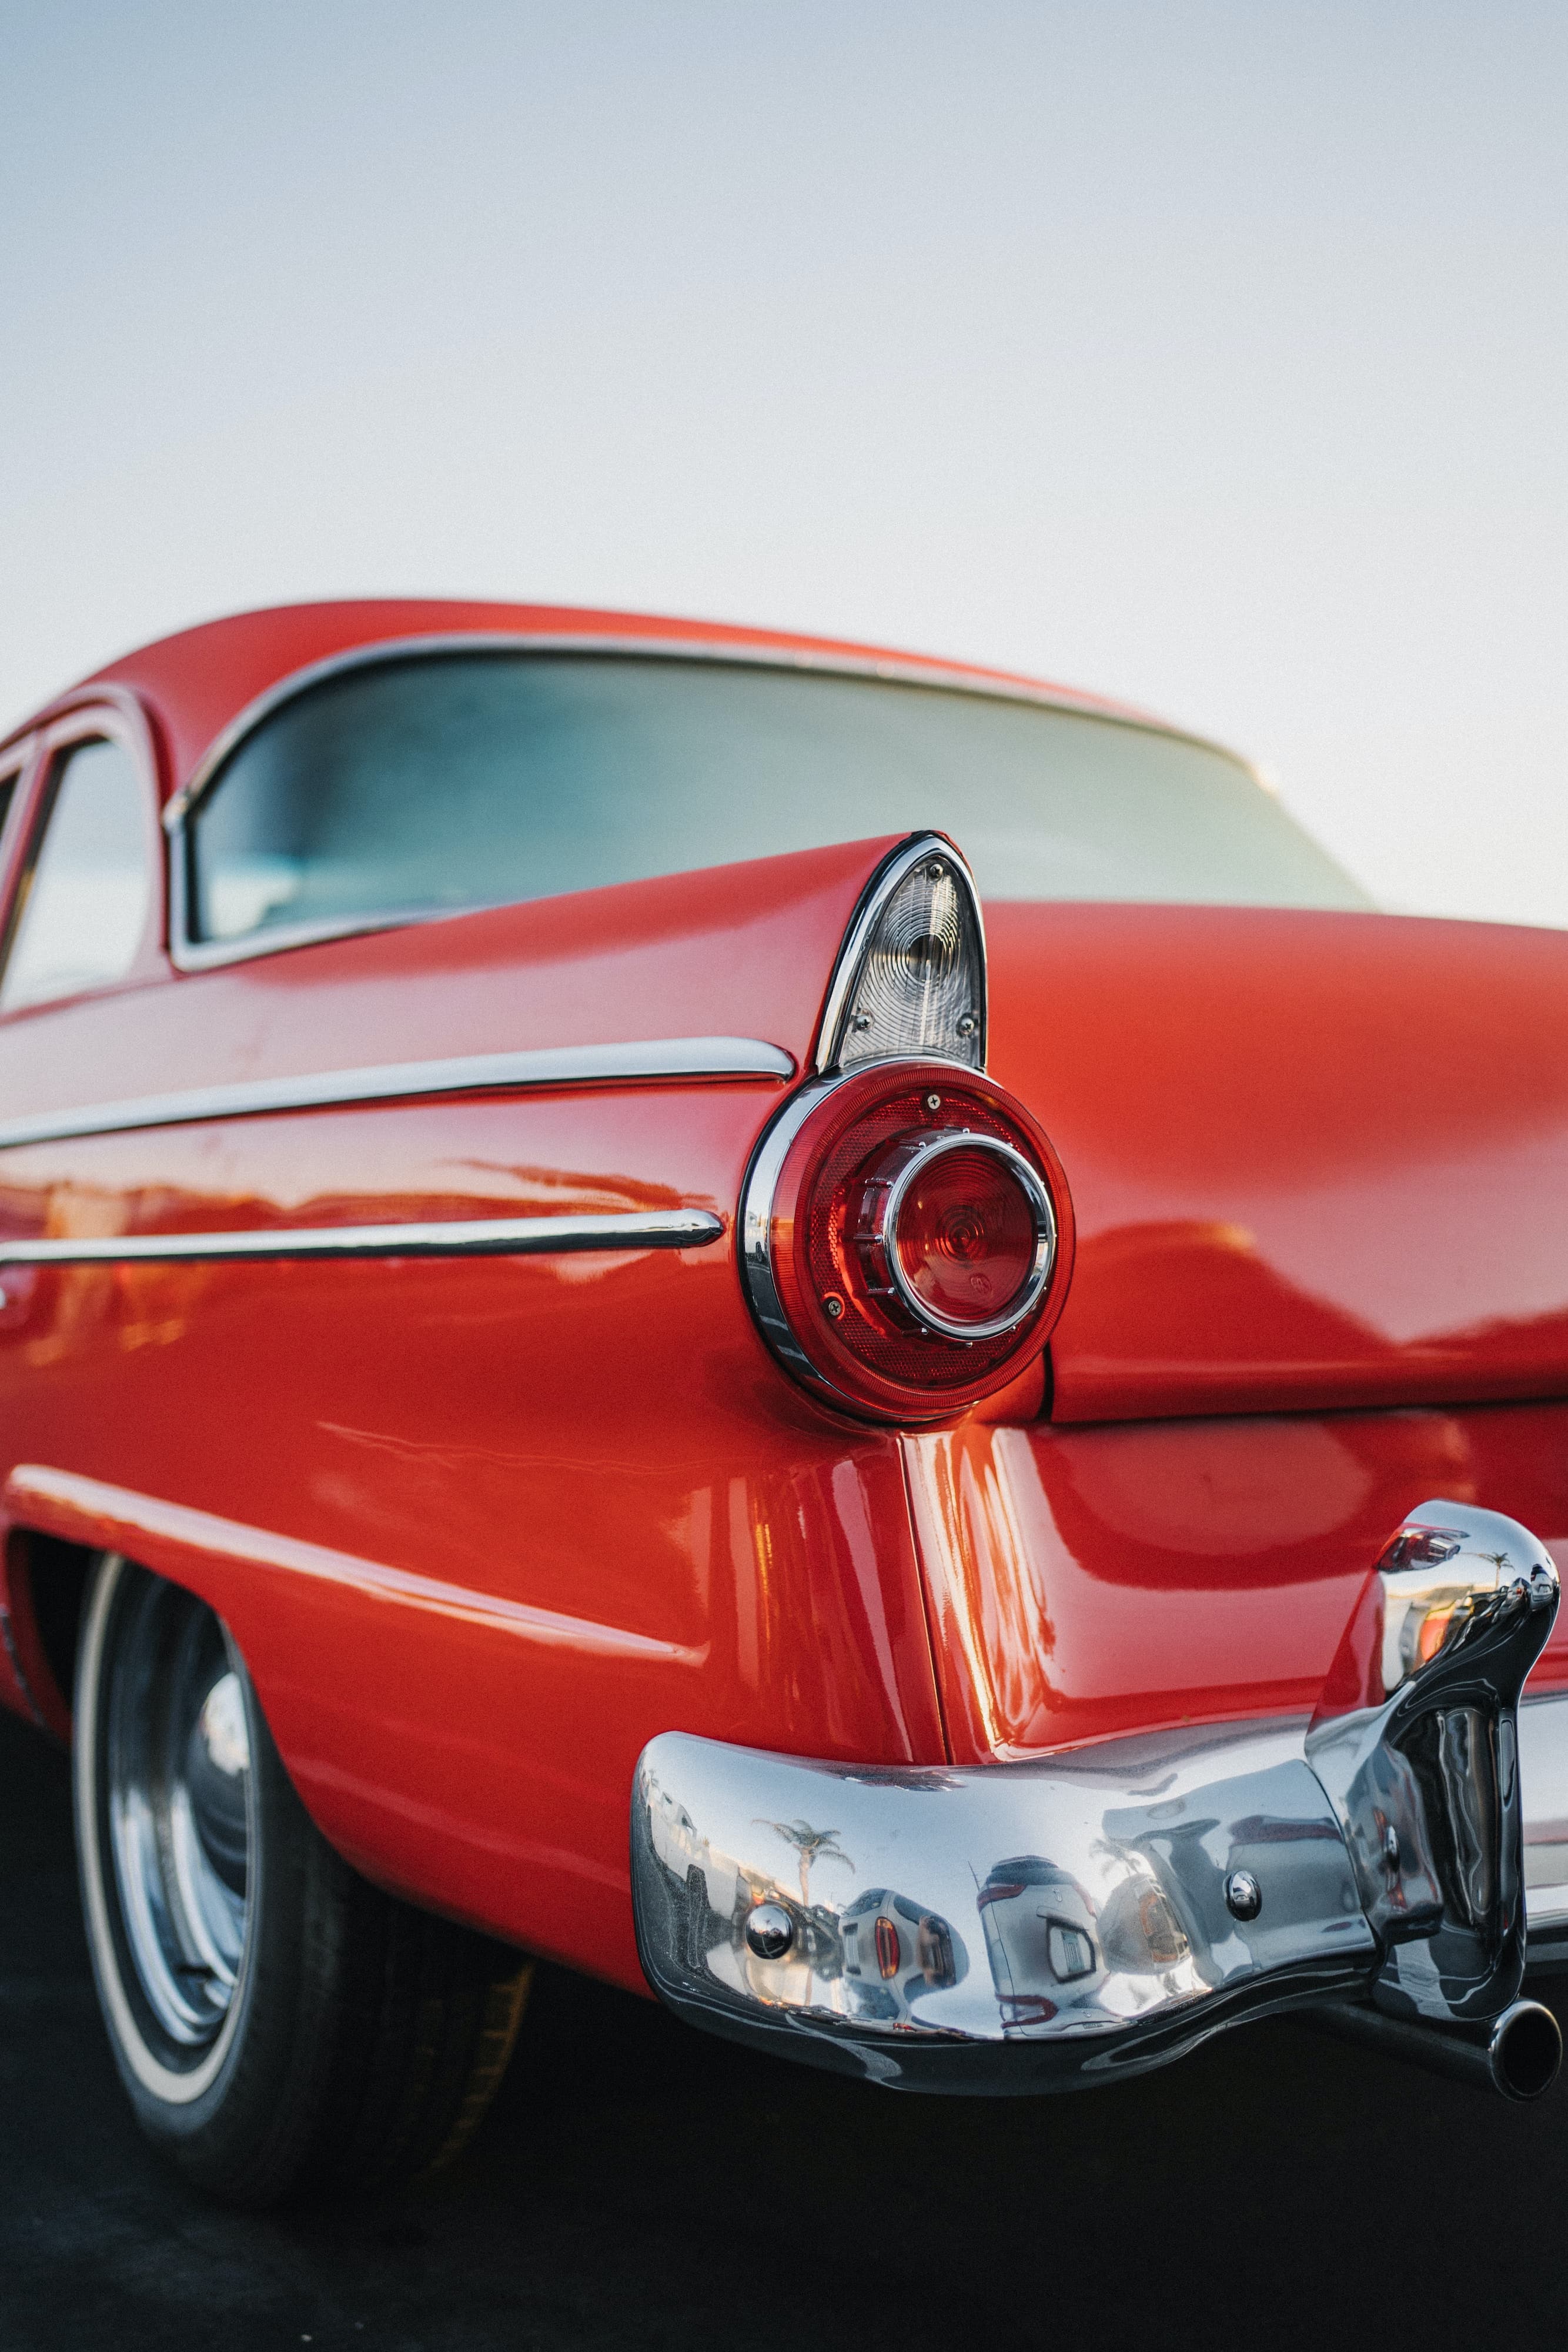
{"points": [[797, 1229], [758, 1194], [812, 1354], [884, 1237]]}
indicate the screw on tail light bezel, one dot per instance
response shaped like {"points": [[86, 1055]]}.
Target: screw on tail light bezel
{"points": [[795, 1321]]}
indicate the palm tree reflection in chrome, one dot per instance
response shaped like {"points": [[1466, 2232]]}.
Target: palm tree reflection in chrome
{"points": [[811, 1846]]}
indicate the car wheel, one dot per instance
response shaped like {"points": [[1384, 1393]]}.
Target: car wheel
{"points": [[279, 2024]]}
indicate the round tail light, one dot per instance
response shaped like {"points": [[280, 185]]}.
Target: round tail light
{"points": [[907, 1238], [960, 1234]]}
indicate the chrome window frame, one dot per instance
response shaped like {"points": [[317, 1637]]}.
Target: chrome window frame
{"points": [[104, 716], [190, 955], [17, 762], [22, 763]]}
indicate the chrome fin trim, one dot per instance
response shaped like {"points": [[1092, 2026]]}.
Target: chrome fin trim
{"points": [[456, 1237], [549, 1066], [861, 933]]}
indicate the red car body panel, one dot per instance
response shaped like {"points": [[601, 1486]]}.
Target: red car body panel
{"points": [[1316, 1160], [484, 1527], [637, 961], [1085, 1583]]}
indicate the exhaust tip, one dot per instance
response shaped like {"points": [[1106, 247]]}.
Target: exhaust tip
{"points": [[1525, 2050]]}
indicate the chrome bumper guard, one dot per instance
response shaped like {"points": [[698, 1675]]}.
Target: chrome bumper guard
{"points": [[1055, 1925]]}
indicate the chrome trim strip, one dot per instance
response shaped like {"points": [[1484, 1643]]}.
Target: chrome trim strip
{"points": [[206, 955], [456, 1237], [460, 1074], [861, 931], [756, 1236]]}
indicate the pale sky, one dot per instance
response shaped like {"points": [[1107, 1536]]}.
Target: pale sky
{"points": [[1215, 356]]}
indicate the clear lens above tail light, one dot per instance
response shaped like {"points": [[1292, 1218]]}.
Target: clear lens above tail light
{"points": [[906, 1238], [911, 977]]}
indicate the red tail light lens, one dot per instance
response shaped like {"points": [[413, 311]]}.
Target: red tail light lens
{"points": [[965, 1228], [907, 1238], [889, 1951], [966, 1243]]}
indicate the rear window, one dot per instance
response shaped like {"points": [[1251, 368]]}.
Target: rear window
{"points": [[440, 781]]}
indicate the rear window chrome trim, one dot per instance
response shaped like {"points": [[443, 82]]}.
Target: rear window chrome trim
{"points": [[892, 670], [453, 1237], [191, 954], [387, 1082]]}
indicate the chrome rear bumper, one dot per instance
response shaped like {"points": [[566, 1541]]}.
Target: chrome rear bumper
{"points": [[1544, 1780], [1051, 1925]]}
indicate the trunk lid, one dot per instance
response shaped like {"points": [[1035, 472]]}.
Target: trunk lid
{"points": [[1316, 1160]]}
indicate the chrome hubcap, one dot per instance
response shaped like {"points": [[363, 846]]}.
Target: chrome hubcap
{"points": [[177, 1759]]}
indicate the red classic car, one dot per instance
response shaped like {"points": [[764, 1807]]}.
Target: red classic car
{"points": [[780, 1321]]}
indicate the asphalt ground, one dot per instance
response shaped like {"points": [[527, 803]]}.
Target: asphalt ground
{"points": [[639, 2184]]}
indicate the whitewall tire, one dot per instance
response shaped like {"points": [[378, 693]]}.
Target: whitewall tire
{"points": [[278, 2024]]}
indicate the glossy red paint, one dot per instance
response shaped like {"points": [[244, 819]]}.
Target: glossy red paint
{"points": [[475, 1750], [1088, 1582], [597, 967], [484, 1527], [1316, 1160], [584, 1477]]}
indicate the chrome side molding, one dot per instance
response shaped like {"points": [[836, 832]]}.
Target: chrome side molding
{"points": [[459, 1074], [1053, 1924], [455, 1237]]}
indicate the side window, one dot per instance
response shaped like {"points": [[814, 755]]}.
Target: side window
{"points": [[82, 908]]}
